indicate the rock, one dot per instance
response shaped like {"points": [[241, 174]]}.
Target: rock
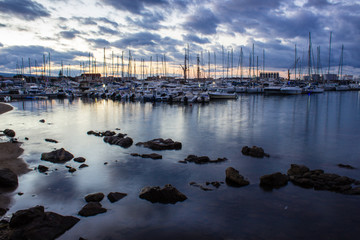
{"points": [[72, 169], [135, 154], [42, 120], [83, 165], [115, 196], [151, 155], [254, 152], [119, 140], [275, 180], [297, 170], [167, 194], [57, 156], [3, 211], [50, 140], [9, 132], [91, 209], [26, 138], [346, 166], [42, 168], [161, 144], [202, 159], [34, 223], [233, 178], [8, 179], [182, 161], [95, 197], [101, 134], [79, 159], [200, 186]]}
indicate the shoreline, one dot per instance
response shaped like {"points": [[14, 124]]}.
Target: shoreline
{"points": [[9, 158]]}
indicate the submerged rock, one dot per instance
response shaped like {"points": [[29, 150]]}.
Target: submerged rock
{"points": [[42, 120], [42, 168], [151, 155], [34, 223], [94, 197], [57, 156], [167, 194], [203, 159], [101, 134], [200, 186], [50, 140], [115, 196], [233, 178], [161, 144], [8, 179], [92, 209], [119, 140], [275, 180], [9, 132], [346, 166], [83, 165], [254, 152]]}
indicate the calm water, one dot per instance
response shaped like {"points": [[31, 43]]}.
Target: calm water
{"points": [[319, 131]]}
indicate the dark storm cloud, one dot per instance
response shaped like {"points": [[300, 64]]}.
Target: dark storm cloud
{"points": [[203, 21], [24, 9], [317, 3], [135, 6], [99, 43], [12, 55], [71, 34], [194, 38]]}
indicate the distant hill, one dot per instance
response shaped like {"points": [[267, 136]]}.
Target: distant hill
{"points": [[6, 74]]}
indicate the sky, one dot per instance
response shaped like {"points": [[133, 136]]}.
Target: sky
{"points": [[267, 31]]}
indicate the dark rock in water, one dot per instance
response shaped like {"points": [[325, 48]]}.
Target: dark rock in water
{"points": [[182, 161], [254, 152], [275, 180], [50, 140], [135, 154], [26, 138], [296, 170], [72, 169], [151, 155], [57, 156], [115, 196], [346, 166], [34, 223], [3, 211], [161, 144], [233, 178], [92, 209], [83, 165], [119, 140], [167, 194], [42, 168], [319, 180], [101, 134], [9, 132], [94, 197], [200, 186], [8, 179], [79, 159], [42, 120], [202, 159]]}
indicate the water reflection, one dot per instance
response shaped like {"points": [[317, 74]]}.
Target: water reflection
{"points": [[316, 130]]}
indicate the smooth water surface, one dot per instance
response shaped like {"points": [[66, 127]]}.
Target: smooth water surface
{"points": [[319, 131]]}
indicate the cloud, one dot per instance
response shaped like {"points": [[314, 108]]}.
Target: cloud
{"points": [[194, 38], [105, 30], [71, 34], [95, 21], [99, 42], [135, 6], [2, 25], [317, 3], [24, 9], [202, 21], [1, 45], [147, 20], [140, 39]]}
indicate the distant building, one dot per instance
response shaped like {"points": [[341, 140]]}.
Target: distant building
{"points": [[270, 75], [330, 77]]}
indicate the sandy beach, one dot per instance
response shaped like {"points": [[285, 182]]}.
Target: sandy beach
{"points": [[9, 158]]}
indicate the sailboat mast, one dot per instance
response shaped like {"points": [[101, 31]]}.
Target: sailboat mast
{"points": [[329, 53]]}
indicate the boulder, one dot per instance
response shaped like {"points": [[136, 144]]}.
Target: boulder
{"points": [[94, 197], [42, 168], [152, 156], [79, 159], [161, 144], [42, 120], [297, 170], [233, 178], [91, 209], [167, 194], [83, 165], [254, 152], [57, 156], [203, 159], [119, 140], [9, 132], [72, 169], [115, 196], [34, 223], [275, 180], [8, 179]]}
